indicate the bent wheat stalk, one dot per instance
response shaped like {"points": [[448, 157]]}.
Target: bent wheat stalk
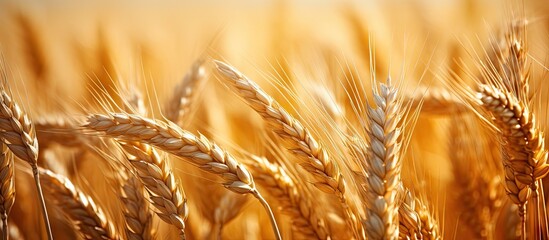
{"points": [[165, 194], [18, 133], [198, 150], [78, 207]]}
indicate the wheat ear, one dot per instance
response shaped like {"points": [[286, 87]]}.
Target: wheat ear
{"points": [[78, 207], [524, 155], [198, 150], [166, 195], [383, 164], [180, 103], [56, 130], [7, 188], [300, 141], [280, 186], [136, 209], [415, 221], [17, 132], [436, 101], [502, 99]]}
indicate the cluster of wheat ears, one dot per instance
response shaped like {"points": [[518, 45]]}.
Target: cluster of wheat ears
{"points": [[319, 162]]}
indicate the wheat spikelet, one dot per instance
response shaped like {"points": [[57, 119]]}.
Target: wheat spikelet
{"points": [[280, 186], [415, 220], [7, 187], [300, 141], [165, 194], [78, 207], [17, 130], [18, 133], [383, 164], [170, 138], [136, 210], [180, 103]]}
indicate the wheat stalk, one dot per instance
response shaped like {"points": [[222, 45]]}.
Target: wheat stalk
{"points": [[172, 139], [136, 209], [165, 194], [180, 103], [78, 207], [18, 133], [280, 186], [7, 188]]}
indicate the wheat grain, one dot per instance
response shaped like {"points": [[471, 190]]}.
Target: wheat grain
{"points": [[78, 207], [165, 194]]}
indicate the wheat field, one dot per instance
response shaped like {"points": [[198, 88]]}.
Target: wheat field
{"points": [[274, 119]]}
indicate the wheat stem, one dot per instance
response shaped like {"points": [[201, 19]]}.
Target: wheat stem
{"points": [[270, 213], [42, 201]]}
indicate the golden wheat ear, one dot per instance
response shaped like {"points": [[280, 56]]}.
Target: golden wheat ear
{"points": [[382, 164], [502, 100], [78, 207], [18, 133], [315, 159], [166, 195], [179, 105], [197, 150]]}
